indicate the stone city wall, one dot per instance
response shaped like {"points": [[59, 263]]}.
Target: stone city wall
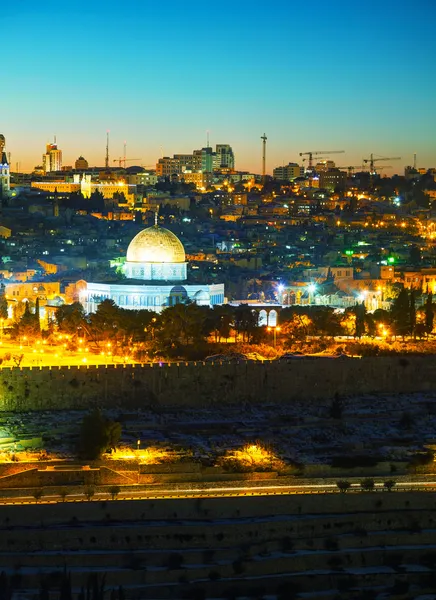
{"points": [[205, 384]]}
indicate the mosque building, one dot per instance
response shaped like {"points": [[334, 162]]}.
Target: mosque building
{"points": [[156, 274]]}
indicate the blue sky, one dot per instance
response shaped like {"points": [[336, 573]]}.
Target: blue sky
{"points": [[323, 75]]}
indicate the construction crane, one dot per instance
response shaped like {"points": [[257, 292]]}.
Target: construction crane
{"points": [[317, 158], [122, 161], [371, 160], [316, 153], [350, 169]]}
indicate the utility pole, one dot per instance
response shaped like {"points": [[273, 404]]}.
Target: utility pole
{"points": [[263, 138], [107, 150]]}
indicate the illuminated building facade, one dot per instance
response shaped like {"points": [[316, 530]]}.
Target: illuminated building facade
{"points": [[224, 157], [52, 159], [205, 160], [332, 179], [83, 184], [288, 172], [156, 273]]}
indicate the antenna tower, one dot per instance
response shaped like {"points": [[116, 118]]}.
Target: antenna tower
{"points": [[263, 138], [107, 150], [414, 161]]}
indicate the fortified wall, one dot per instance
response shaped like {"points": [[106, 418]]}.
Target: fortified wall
{"points": [[206, 384]]}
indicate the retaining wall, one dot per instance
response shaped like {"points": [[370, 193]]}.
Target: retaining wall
{"points": [[205, 384]]}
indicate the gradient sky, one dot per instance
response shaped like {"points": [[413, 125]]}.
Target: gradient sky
{"points": [[357, 76]]}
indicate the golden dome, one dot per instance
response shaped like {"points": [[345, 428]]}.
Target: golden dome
{"points": [[156, 245]]}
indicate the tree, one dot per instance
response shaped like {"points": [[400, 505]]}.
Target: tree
{"points": [[97, 434], [367, 484], [28, 323], [389, 485], [89, 492], [412, 312], [105, 321], [183, 324], [245, 321], [343, 485], [297, 327], [3, 303], [70, 317], [37, 319], [360, 312], [400, 312], [222, 316], [114, 491], [64, 493], [38, 494], [429, 314]]}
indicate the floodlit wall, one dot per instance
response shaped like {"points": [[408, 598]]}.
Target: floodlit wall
{"points": [[206, 384]]}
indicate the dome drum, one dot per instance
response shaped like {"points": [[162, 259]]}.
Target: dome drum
{"points": [[156, 272]]}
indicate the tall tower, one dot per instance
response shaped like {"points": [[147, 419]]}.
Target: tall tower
{"points": [[5, 178], [52, 159], [106, 162], [263, 138]]}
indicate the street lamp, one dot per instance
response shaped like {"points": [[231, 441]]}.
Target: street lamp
{"points": [[274, 330], [280, 289], [312, 289]]}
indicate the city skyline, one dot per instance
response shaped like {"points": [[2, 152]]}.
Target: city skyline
{"points": [[355, 80]]}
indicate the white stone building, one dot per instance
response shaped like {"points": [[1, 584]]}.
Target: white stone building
{"points": [[156, 274]]}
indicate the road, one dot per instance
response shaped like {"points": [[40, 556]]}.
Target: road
{"points": [[218, 492]]}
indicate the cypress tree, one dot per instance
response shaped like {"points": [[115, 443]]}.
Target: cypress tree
{"points": [[3, 303], [401, 313], [360, 311], [37, 321], [429, 314], [412, 312]]}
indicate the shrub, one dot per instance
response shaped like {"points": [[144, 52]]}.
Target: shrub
{"points": [[38, 494], [114, 491], [389, 485], [367, 484], [89, 492], [343, 485]]}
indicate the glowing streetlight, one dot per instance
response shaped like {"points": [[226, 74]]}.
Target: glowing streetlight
{"points": [[311, 289], [274, 330]]}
